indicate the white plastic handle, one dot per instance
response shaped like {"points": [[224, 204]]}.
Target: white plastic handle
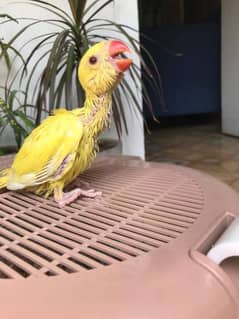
{"points": [[227, 245]]}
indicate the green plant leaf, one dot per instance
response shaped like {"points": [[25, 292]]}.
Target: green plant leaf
{"points": [[29, 123], [49, 74], [20, 32], [90, 18], [11, 98], [77, 9], [31, 74], [53, 9], [4, 54], [68, 79], [9, 17], [118, 113], [79, 91], [35, 50], [59, 90]]}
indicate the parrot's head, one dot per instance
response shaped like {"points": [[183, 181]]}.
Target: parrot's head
{"points": [[102, 66]]}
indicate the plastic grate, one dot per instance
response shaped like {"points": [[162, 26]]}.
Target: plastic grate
{"points": [[140, 210]]}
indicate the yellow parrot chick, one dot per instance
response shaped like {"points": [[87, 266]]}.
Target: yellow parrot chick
{"points": [[65, 144]]}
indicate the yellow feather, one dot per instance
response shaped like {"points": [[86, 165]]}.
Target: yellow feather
{"points": [[44, 151], [65, 144]]}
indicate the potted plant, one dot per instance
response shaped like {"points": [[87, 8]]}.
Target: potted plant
{"points": [[12, 111], [73, 35]]}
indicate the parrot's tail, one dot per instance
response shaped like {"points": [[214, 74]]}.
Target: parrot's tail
{"points": [[4, 177]]}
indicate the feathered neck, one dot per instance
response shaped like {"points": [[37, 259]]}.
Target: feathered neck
{"points": [[93, 101], [96, 111]]}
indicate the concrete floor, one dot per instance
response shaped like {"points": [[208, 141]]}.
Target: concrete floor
{"points": [[202, 147]]}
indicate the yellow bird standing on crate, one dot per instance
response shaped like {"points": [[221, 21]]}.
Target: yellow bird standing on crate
{"points": [[65, 144]]}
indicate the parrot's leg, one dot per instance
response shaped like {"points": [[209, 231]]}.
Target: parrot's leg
{"points": [[66, 198], [78, 184], [84, 184]]}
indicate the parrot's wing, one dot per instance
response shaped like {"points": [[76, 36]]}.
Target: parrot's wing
{"points": [[48, 152]]}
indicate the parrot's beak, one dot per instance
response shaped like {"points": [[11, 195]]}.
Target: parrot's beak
{"points": [[116, 52]]}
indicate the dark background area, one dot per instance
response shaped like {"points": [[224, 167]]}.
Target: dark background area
{"points": [[161, 13], [186, 44]]}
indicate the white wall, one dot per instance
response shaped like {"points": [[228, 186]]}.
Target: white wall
{"points": [[126, 12], [230, 67], [8, 30], [122, 11]]}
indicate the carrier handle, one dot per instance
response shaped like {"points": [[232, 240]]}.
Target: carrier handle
{"points": [[227, 245]]}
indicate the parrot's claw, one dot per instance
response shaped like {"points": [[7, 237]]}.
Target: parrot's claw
{"points": [[69, 197]]}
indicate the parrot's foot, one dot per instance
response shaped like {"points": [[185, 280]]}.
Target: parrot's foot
{"points": [[69, 197]]}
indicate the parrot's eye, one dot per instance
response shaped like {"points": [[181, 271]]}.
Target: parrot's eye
{"points": [[93, 60]]}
